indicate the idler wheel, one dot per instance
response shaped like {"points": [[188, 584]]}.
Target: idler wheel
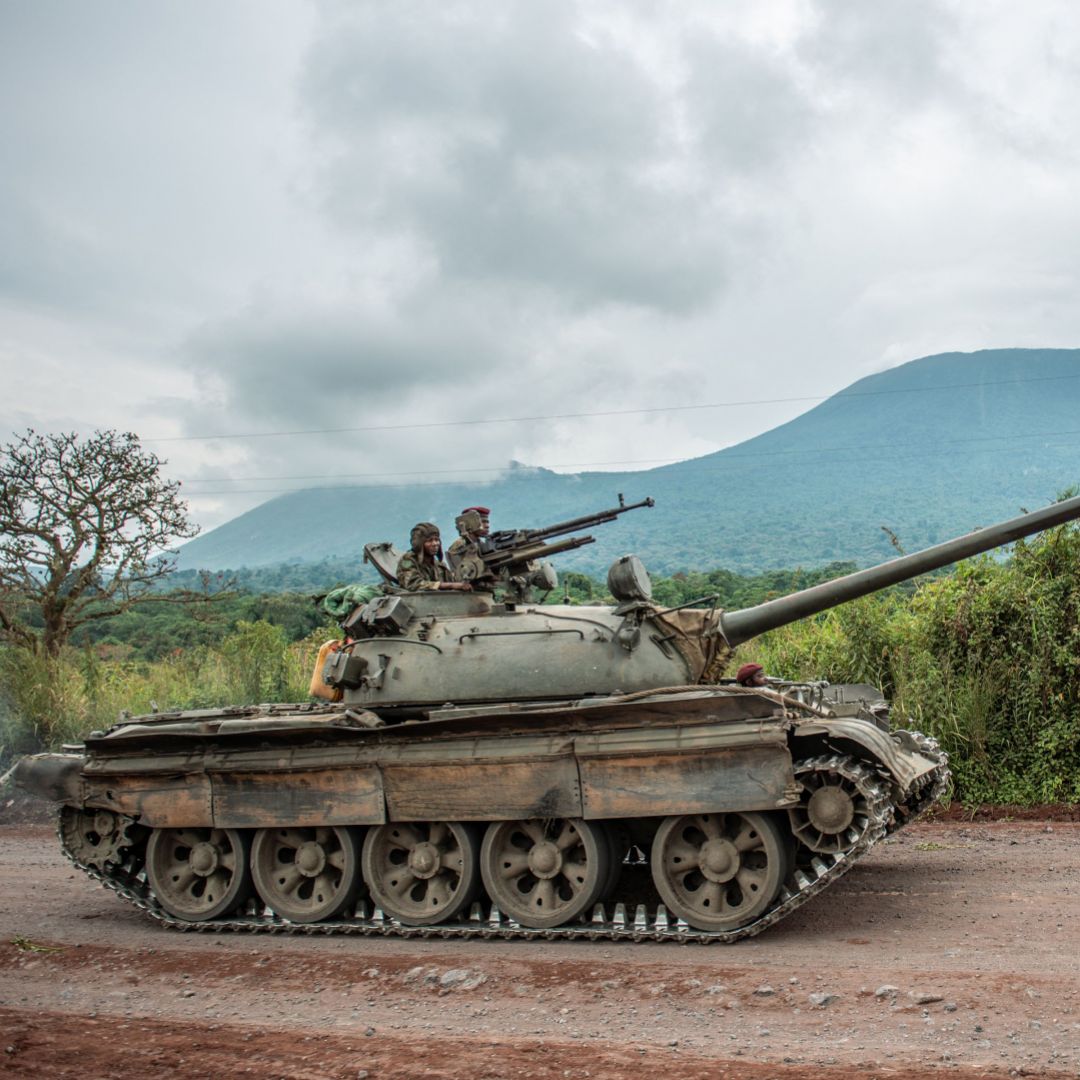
{"points": [[544, 873], [421, 872], [834, 808], [306, 874], [199, 874], [830, 809], [719, 871]]}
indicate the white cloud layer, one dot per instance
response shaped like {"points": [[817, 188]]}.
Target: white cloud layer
{"points": [[279, 216]]}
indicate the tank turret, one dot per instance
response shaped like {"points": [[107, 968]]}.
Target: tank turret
{"points": [[411, 652]]}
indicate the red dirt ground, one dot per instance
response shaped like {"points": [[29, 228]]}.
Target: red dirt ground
{"points": [[972, 924]]}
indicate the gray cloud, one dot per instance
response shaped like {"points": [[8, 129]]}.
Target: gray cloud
{"points": [[750, 116], [134, 162], [41, 262], [517, 147], [293, 363], [272, 215], [895, 50]]}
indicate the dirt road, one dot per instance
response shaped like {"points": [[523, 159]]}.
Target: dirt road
{"points": [[952, 950]]}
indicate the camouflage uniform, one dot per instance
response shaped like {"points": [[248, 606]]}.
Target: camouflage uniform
{"points": [[463, 554], [416, 571]]}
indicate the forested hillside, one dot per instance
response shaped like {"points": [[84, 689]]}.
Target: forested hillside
{"points": [[930, 449]]}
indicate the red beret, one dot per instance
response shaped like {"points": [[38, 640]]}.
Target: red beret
{"points": [[747, 671], [483, 511]]}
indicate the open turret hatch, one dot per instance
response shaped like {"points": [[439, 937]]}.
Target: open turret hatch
{"points": [[385, 558]]}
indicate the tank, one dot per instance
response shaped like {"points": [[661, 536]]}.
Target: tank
{"points": [[495, 767]]}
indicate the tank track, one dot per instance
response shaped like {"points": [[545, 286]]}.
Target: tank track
{"points": [[930, 788], [609, 922]]}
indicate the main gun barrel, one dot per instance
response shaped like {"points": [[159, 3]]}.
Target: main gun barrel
{"points": [[740, 626]]}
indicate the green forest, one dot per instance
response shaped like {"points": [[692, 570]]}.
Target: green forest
{"points": [[982, 657]]}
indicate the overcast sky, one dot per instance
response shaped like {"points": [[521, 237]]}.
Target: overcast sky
{"points": [[278, 216]]}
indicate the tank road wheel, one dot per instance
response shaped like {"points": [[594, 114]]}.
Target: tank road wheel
{"points": [[837, 805], [306, 874], [719, 871], [544, 873], [421, 872], [199, 874]]}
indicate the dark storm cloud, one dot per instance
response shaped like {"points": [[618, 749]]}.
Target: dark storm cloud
{"points": [[520, 144]]}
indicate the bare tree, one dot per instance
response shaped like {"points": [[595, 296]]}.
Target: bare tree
{"points": [[84, 530]]}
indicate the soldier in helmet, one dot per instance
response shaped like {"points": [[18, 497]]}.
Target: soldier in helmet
{"points": [[422, 568], [473, 524]]}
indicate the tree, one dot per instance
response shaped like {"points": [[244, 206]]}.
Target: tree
{"points": [[84, 530]]}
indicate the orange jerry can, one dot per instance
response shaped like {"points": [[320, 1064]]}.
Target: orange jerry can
{"points": [[318, 688]]}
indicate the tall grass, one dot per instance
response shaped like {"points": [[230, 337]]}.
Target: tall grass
{"points": [[47, 702]]}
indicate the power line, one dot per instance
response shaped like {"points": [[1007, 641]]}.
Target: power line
{"points": [[633, 461], [590, 415], [803, 453]]}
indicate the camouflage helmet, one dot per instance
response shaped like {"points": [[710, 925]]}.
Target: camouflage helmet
{"points": [[422, 531]]}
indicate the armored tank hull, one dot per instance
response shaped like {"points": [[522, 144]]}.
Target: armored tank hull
{"points": [[695, 814], [509, 769]]}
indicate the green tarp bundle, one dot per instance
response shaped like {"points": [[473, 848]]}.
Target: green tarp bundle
{"points": [[339, 602]]}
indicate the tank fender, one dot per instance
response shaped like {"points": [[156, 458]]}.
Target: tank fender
{"points": [[905, 766], [52, 776]]}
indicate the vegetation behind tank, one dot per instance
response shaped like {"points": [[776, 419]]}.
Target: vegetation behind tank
{"points": [[983, 659]]}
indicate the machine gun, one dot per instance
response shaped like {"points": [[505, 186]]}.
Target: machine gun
{"points": [[506, 556], [521, 545]]}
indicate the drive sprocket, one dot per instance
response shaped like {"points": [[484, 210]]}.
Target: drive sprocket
{"points": [[95, 837]]}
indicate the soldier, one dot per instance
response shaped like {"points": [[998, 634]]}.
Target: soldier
{"points": [[473, 524], [751, 675], [422, 568]]}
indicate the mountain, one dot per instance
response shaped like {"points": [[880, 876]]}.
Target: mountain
{"points": [[929, 450]]}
